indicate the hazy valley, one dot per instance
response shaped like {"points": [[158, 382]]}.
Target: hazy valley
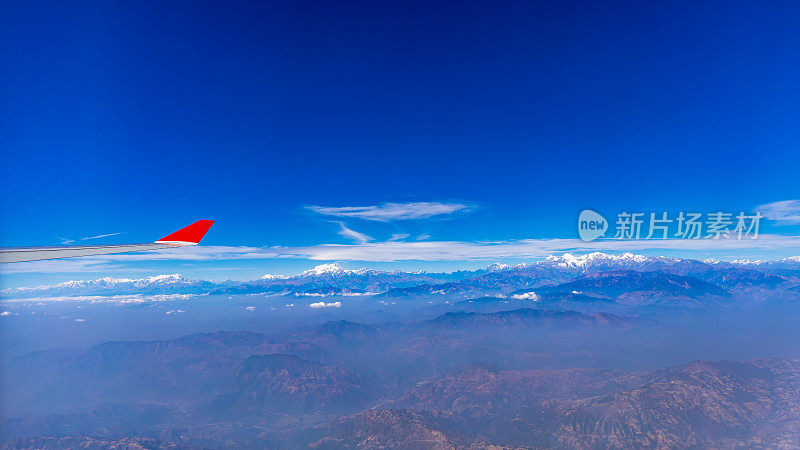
{"points": [[595, 351]]}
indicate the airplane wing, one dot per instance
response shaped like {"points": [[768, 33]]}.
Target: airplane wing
{"points": [[190, 235]]}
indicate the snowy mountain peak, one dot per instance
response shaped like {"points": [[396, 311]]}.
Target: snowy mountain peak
{"points": [[270, 276], [323, 269], [157, 283], [173, 278], [109, 281], [568, 260], [789, 261], [334, 269]]}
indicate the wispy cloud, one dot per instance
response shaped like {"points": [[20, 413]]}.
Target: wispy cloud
{"points": [[787, 211], [66, 241], [392, 211], [100, 236], [357, 237], [398, 237]]}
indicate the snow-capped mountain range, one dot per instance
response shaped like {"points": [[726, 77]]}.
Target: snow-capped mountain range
{"points": [[159, 284], [329, 279]]}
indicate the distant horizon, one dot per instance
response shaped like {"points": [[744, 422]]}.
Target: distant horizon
{"points": [[350, 266]]}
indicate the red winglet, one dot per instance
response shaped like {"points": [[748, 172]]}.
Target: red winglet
{"points": [[191, 234]]}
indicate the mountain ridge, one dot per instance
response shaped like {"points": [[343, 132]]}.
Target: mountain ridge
{"points": [[333, 279]]}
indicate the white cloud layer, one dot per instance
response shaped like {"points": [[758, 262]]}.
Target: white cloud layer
{"points": [[412, 251], [392, 211], [114, 299], [530, 248], [787, 211]]}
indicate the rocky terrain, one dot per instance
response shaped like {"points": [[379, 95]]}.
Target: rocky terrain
{"points": [[412, 385], [570, 352]]}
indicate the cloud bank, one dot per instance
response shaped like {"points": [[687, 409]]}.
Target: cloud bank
{"points": [[391, 251]]}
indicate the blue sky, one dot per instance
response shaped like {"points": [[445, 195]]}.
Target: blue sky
{"points": [[140, 118]]}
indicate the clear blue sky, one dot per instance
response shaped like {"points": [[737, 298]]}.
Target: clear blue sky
{"points": [[140, 117]]}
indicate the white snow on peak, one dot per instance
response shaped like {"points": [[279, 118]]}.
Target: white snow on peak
{"points": [[759, 262], [164, 278], [568, 260], [628, 257], [323, 269], [269, 276], [334, 269], [105, 282], [739, 261]]}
